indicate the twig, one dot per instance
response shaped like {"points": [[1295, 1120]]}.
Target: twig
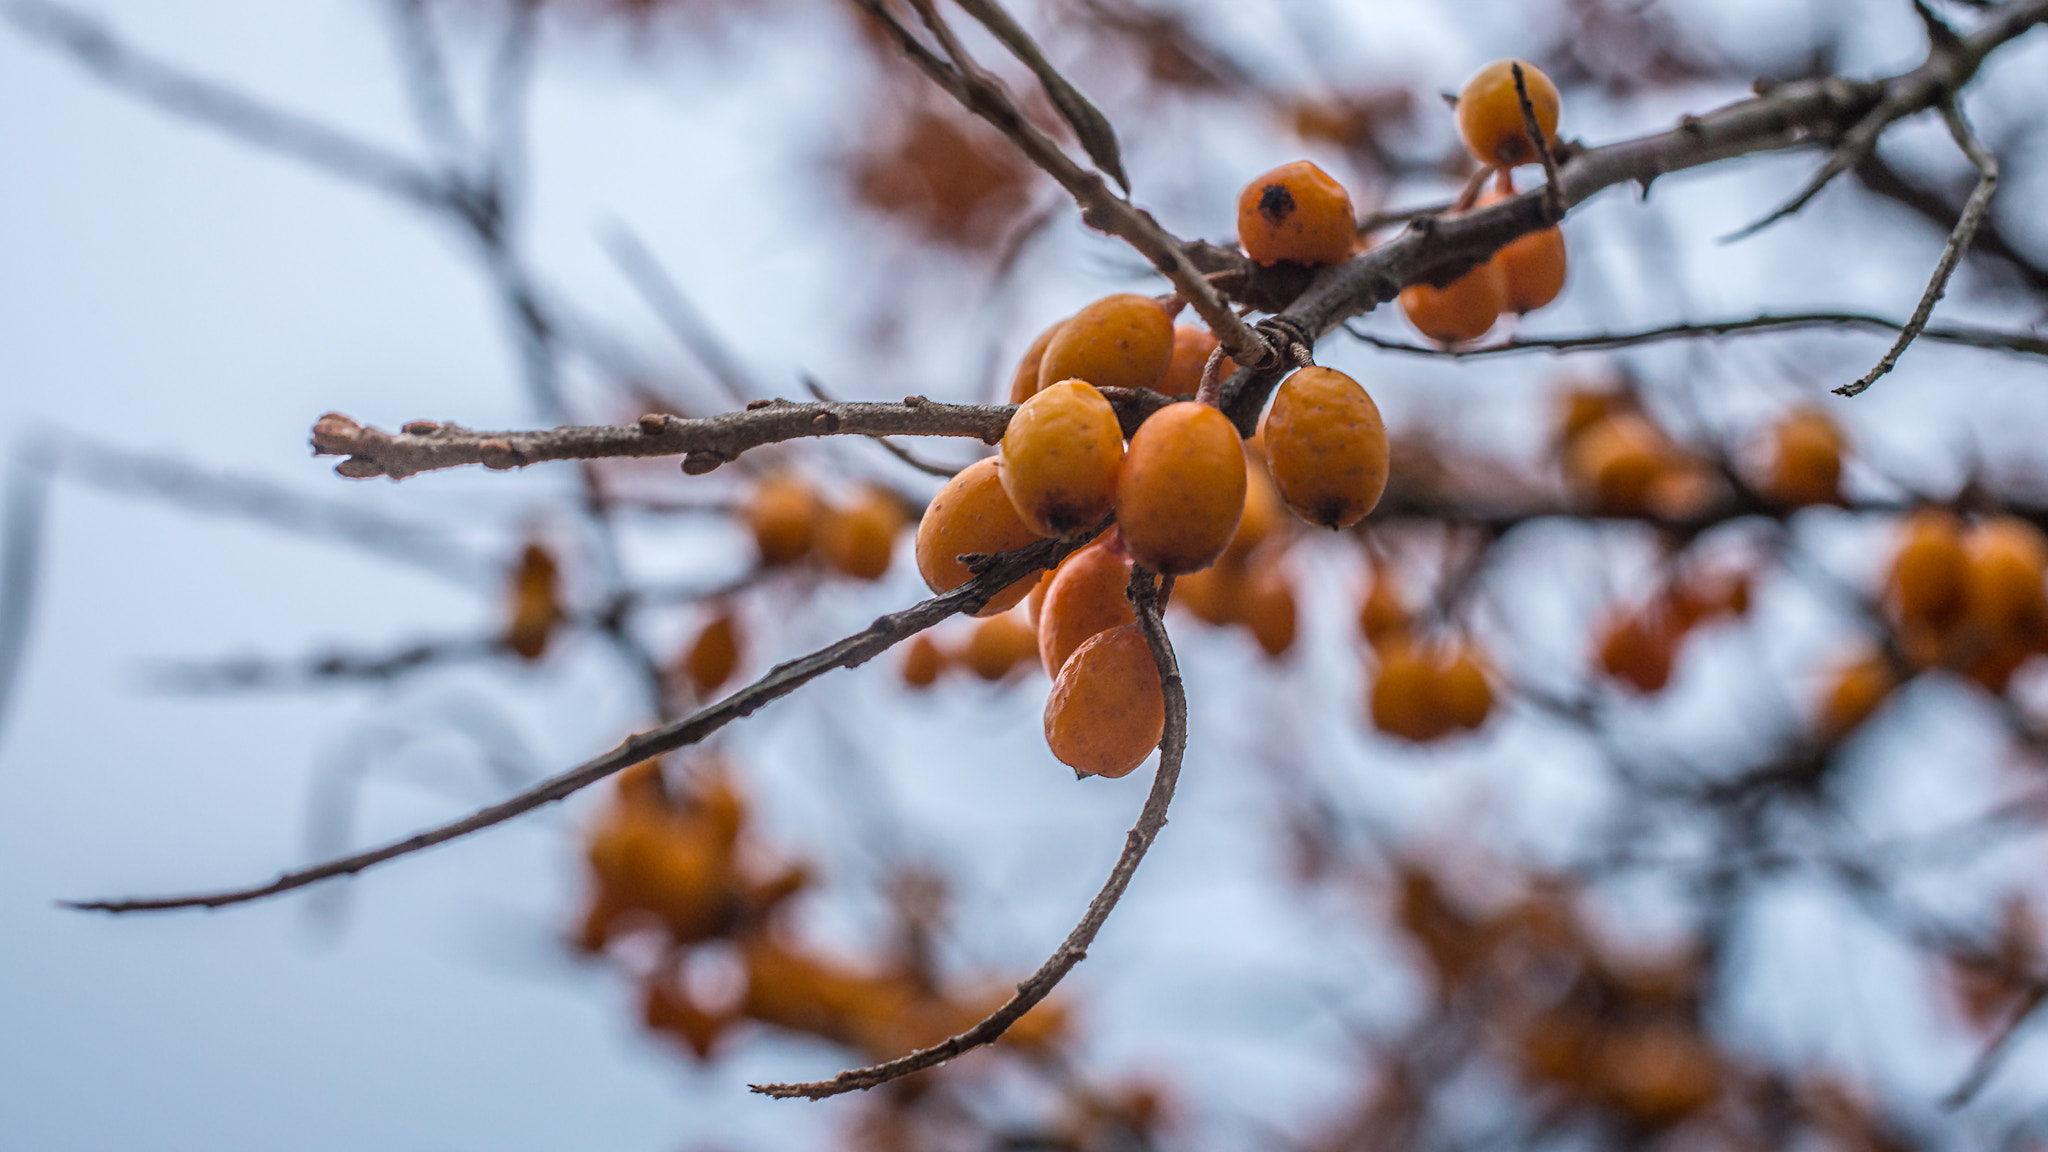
{"points": [[1152, 818], [251, 673], [1986, 338], [1880, 177], [1958, 242], [1000, 573], [1090, 126], [426, 77], [816, 389], [1994, 1053], [677, 313], [1553, 200], [21, 546]]}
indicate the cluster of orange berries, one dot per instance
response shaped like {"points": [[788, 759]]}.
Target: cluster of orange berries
{"points": [[1637, 647], [678, 869], [1178, 494], [1968, 599], [790, 522], [1422, 689], [1618, 462]]}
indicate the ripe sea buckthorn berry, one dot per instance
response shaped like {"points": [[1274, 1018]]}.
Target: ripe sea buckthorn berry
{"points": [[859, 540], [1461, 689], [1638, 651], [1061, 455], [713, 656], [1036, 598], [783, 513], [1107, 710], [1532, 266], [536, 603], [971, 513], [1262, 510], [1216, 595], [1192, 344], [1617, 461], [1121, 341], [1806, 459], [1000, 645], [1579, 408], [1462, 310], [1181, 494], [1326, 447], [1854, 693], [1025, 381], [1296, 212], [1403, 699], [1930, 569], [1087, 596], [2002, 587], [1490, 114], [1383, 615], [1269, 609], [922, 661]]}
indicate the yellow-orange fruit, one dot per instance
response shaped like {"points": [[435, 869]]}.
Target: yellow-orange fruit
{"points": [[1461, 689], [713, 656], [1490, 114], [971, 513], [1087, 596], [1296, 212], [1532, 266], [1638, 651], [1000, 645], [2002, 585], [1262, 510], [1806, 459], [1658, 1073], [1107, 710], [1269, 609], [1854, 692], [922, 661], [1326, 447], [1383, 614], [1930, 568], [1404, 700], [1061, 455], [1462, 310], [1121, 341], [859, 540], [1024, 381], [1192, 344], [1617, 461], [1580, 408], [783, 513], [1181, 494], [1036, 597], [1216, 595], [536, 603]]}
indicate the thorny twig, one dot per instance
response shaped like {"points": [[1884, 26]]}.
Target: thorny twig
{"points": [[1145, 596], [1958, 242], [1990, 339]]}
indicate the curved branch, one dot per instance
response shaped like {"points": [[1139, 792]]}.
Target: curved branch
{"points": [[1988, 338], [1172, 746], [999, 573]]}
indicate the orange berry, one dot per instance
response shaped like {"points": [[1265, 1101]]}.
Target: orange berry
{"points": [[1269, 609], [1638, 651], [1617, 461], [713, 656], [1854, 693], [1192, 344], [1216, 595], [1087, 596], [783, 513], [1383, 615], [1532, 269], [859, 541], [922, 661], [1107, 710], [1579, 408], [1403, 699], [1036, 598], [1806, 459], [1060, 458], [2002, 585], [1461, 689], [1930, 569], [536, 603], [1326, 447], [1025, 381], [1262, 511], [1000, 645], [1296, 212], [971, 513], [1490, 114], [1181, 494], [1462, 310], [1121, 341]]}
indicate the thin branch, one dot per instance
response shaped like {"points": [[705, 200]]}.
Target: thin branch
{"points": [[21, 547], [1958, 242], [1987, 338], [1553, 200], [677, 313], [1172, 747], [257, 673], [94, 46], [999, 573], [1090, 126], [816, 389], [1994, 1053], [1883, 179], [426, 77]]}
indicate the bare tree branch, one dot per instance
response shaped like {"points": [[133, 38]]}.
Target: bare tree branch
{"points": [[1145, 596], [998, 573], [1987, 338], [1958, 242], [1994, 1053], [21, 547]]}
